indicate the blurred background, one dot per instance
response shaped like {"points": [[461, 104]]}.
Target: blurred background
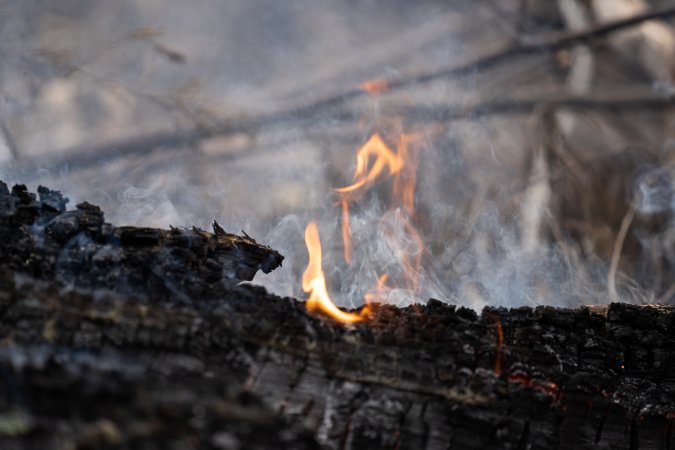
{"points": [[545, 178]]}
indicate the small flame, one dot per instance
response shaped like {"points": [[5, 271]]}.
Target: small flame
{"points": [[384, 156], [374, 86], [372, 160], [406, 178], [314, 282]]}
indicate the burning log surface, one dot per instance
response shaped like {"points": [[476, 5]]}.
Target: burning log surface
{"points": [[86, 363]]}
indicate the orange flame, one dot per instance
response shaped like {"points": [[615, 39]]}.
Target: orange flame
{"points": [[374, 86], [406, 178], [402, 165], [314, 282], [373, 159], [384, 156]]}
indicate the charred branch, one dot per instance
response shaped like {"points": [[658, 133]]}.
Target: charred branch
{"points": [[87, 156], [39, 237]]}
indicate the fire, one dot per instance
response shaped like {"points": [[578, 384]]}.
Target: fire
{"points": [[406, 178], [402, 165], [374, 159], [314, 282], [384, 157]]}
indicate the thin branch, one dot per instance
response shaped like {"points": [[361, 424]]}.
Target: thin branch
{"points": [[87, 155], [316, 112], [548, 44]]}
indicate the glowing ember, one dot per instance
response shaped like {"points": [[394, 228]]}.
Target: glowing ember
{"points": [[314, 282], [546, 387]]}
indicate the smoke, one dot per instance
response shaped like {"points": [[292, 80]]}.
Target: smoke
{"points": [[77, 74], [473, 252], [654, 192]]}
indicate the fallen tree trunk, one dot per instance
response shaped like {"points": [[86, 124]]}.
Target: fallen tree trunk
{"points": [[241, 368]]}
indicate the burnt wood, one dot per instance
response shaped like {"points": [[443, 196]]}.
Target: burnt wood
{"points": [[40, 237], [239, 368]]}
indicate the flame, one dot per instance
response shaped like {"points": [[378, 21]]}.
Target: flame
{"points": [[406, 178], [384, 156], [314, 282], [402, 165], [374, 86], [373, 159]]}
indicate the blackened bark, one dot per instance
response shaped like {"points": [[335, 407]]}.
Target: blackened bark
{"points": [[240, 368], [39, 237]]}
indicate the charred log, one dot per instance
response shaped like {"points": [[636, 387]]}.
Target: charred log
{"points": [[39, 237], [241, 368]]}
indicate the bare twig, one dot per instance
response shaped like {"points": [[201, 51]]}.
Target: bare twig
{"points": [[326, 108], [87, 155], [548, 44]]}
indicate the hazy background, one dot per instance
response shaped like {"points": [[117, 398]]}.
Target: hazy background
{"points": [[116, 102]]}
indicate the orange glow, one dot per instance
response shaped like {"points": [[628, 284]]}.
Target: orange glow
{"points": [[547, 387], [384, 157], [314, 282], [374, 86]]}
